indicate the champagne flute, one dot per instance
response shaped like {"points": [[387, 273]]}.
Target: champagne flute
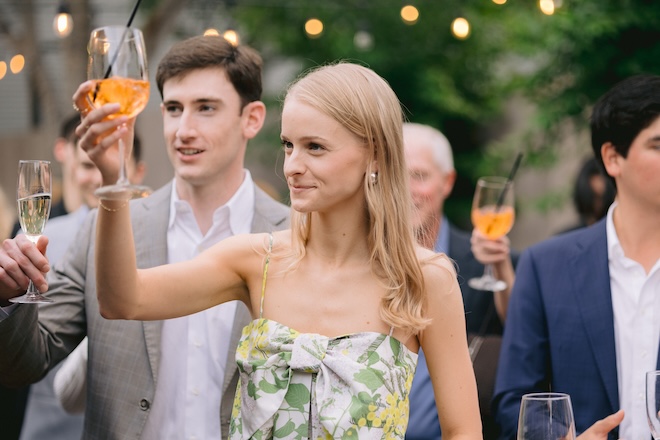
{"points": [[653, 402], [33, 194], [118, 64], [493, 215], [546, 416]]}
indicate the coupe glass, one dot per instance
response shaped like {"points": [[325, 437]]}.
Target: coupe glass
{"points": [[33, 194], [653, 402], [493, 215], [118, 65], [546, 416]]}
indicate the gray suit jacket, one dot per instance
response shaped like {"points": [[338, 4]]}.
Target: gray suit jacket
{"points": [[123, 355]]}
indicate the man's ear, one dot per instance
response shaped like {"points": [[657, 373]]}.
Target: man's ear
{"points": [[611, 159], [450, 180], [253, 117], [59, 149]]}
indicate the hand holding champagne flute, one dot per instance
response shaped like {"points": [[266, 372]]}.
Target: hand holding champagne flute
{"points": [[493, 215], [33, 195], [118, 66]]}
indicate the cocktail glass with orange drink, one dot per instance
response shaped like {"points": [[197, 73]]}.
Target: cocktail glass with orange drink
{"points": [[118, 66], [493, 215]]}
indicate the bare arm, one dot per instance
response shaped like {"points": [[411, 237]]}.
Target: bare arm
{"points": [[444, 342], [213, 277], [496, 253]]}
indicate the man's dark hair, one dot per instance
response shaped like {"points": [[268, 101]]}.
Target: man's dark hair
{"points": [[242, 64], [68, 128], [624, 111]]}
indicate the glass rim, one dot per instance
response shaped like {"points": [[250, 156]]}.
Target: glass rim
{"points": [[33, 161], [490, 181], [115, 32], [546, 396]]}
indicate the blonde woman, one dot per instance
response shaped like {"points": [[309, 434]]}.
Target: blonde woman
{"points": [[342, 301]]}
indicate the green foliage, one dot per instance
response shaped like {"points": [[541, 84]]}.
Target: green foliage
{"points": [[560, 63]]}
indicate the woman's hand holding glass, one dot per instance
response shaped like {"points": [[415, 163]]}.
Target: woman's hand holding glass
{"points": [[117, 92], [493, 216]]}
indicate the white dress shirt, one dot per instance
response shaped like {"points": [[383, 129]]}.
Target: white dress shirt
{"points": [[194, 348], [636, 304]]}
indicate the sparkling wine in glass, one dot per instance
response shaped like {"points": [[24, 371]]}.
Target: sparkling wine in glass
{"points": [[546, 416], [118, 65], [33, 194], [493, 215], [653, 402]]}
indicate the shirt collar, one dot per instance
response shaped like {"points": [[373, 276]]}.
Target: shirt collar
{"points": [[240, 207], [614, 249], [442, 243]]}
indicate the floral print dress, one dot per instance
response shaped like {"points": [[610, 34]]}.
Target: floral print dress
{"points": [[307, 386]]}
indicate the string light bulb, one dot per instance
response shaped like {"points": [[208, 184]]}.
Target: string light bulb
{"points": [[409, 14], [3, 69], [17, 63], [231, 36], [547, 6], [460, 27], [63, 22], [211, 32], [313, 28]]}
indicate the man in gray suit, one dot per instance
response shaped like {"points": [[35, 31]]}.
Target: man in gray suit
{"points": [[154, 380]]}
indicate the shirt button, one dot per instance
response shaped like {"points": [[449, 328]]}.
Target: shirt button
{"points": [[195, 391], [144, 404]]}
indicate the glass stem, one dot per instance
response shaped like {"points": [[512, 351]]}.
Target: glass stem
{"points": [[31, 290], [488, 271], [123, 180]]}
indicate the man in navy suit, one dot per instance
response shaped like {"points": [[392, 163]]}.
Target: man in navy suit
{"points": [[584, 313]]}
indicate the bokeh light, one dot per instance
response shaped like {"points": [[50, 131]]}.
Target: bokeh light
{"points": [[231, 36], [314, 28], [409, 14], [211, 32], [460, 27], [17, 63], [547, 6]]}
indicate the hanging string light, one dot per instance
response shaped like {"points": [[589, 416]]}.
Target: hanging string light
{"points": [[313, 28], [17, 63], [547, 6], [231, 36], [211, 32], [409, 14], [63, 22], [460, 28], [3, 69]]}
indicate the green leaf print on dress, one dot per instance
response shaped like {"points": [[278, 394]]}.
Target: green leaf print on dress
{"points": [[299, 385]]}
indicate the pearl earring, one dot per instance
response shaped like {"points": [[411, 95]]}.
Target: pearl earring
{"points": [[374, 178]]}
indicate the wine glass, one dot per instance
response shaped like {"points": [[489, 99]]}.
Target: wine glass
{"points": [[33, 194], [118, 65], [546, 416], [653, 402], [493, 215]]}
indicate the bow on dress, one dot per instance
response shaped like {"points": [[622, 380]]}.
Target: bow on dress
{"points": [[356, 382]]}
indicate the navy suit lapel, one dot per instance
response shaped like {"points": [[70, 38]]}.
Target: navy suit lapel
{"points": [[589, 263]]}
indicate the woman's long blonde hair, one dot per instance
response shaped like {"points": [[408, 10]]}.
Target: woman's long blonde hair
{"points": [[365, 104]]}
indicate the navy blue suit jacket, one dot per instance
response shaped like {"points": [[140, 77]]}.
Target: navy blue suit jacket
{"points": [[559, 330]]}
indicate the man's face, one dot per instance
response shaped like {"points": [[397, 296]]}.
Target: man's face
{"points": [[638, 175], [204, 126], [429, 185]]}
